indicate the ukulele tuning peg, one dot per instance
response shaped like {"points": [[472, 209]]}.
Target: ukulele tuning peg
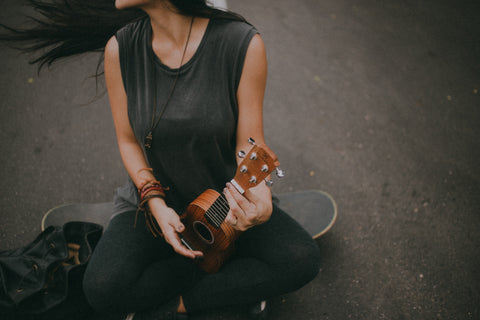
{"points": [[251, 141], [269, 183], [241, 154], [253, 179], [253, 156], [264, 168], [280, 173], [243, 169]]}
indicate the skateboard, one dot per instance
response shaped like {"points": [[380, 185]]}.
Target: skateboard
{"points": [[314, 210], [99, 213]]}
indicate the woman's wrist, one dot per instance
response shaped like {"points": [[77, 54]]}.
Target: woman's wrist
{"points": [[152, 202], [157, 204]]}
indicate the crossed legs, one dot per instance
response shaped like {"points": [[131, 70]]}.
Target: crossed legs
{"points": [[131, 270]]}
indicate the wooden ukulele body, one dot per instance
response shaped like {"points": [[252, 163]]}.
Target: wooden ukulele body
{"points": [[214, 238]]}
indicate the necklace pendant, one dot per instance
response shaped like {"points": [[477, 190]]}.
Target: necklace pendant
{"points": [[148, 140]]}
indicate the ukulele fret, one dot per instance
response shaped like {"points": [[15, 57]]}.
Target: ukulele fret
{"points": [[218, 211]]}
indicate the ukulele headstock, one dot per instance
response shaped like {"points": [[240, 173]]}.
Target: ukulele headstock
{"points": [[256, 166]]}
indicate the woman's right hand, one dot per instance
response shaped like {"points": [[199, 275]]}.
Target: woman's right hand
{"points": [[170, 224]]}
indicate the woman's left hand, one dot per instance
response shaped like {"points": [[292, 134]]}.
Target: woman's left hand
{"points": [[252, 208]]}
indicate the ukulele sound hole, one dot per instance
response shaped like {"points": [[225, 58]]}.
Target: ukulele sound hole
{"points": [[203, 232]]}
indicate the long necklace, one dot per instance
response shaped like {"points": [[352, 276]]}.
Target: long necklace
{"points": [[149, 138]]}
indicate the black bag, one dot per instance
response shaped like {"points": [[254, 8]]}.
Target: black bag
{"points": [[43, 280]]}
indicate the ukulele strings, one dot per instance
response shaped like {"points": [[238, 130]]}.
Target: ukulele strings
{"points": [[218, 211]]}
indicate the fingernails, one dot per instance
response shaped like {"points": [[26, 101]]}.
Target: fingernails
{"points": [[180, 228]]}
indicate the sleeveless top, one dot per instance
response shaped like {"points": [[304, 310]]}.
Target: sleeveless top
{"points": [[194, 142]]}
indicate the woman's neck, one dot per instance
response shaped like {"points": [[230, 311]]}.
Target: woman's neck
{"points": [[168, 26], [170, 31]]}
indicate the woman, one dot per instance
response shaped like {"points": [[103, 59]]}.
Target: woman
{"points": [[186, 86]]}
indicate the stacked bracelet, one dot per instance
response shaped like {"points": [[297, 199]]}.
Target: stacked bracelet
{"points": [[151, 187], [149, 190]]}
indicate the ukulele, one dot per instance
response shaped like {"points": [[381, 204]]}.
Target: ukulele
{"points": [[204, 218]]}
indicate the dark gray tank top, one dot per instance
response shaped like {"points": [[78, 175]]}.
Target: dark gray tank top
{"points": [[194, 143]]}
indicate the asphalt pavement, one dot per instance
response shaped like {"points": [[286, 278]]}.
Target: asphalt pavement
{"points": [[375, 102]]}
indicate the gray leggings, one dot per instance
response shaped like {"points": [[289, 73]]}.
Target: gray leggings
{"points": [[132, 271]]}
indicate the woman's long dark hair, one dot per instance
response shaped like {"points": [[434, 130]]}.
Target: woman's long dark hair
{"points": [[69, 27]]}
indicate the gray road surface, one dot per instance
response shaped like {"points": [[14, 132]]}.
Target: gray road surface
{"points": [[376, 102]]}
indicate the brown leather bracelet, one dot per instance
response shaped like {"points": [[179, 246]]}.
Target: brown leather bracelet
{"points": [[149, 186], [149, 218]]}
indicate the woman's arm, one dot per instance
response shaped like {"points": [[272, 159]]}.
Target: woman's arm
{"points": [[255, 205], [132, 153]]}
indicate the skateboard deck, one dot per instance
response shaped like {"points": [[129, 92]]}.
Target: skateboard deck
{"points": [[99, 213], [315, 210]]}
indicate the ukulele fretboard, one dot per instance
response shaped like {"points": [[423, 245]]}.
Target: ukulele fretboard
{"points": [[217, 213]]}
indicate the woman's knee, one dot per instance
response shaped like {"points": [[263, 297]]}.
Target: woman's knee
{"points": [[99, 290], [310, 262], [108, 272], [302, 266], [104, 289]]}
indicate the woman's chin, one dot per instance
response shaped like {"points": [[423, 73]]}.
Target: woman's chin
{"points": [[124, 4]]}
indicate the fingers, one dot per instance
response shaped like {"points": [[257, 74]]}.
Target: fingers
{"points": [[170, 232], [239, 215], [231, 219], [172, 237], [252, 194], [241, 200], [177, 224], [252, 208], [234, 212]]}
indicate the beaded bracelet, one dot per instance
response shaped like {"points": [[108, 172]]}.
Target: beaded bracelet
{"points": [[150, 186], [149, 190], [158, 190], [149, 218]]}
